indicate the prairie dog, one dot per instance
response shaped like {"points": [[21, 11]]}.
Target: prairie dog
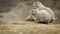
{"points": [[40, 6], [40, 13]]}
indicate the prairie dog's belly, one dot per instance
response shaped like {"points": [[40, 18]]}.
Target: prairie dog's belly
{"points": [[43, 15]]}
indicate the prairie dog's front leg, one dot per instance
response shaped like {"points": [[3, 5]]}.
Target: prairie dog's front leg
{"points": [[29, 18]]}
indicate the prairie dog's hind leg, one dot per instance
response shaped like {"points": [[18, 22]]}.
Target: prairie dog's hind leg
{"points": [[29, 18]]}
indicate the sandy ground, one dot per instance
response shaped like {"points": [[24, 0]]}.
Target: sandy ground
{"points": [[28, 27]]}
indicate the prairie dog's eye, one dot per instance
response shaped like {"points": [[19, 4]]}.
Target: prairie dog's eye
{"points": [[32, 11]]}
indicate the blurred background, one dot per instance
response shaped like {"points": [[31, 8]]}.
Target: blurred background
{"points": [[12, 10]]}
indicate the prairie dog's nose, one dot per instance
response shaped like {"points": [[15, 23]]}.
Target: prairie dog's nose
{"points": [[32, 13]]}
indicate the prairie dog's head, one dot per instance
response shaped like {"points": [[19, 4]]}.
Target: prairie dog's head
{"points": [[37, 4], [34, 12]]}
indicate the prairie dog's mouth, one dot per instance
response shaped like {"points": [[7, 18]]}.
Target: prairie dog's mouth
{"points": [[34, 14], [36, 6]]}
